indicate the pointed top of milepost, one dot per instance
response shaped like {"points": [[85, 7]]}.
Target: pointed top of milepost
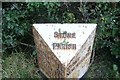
{"points": [[65, 39]]}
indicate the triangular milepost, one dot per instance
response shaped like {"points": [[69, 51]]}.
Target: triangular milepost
{"points": [[64, 50]]}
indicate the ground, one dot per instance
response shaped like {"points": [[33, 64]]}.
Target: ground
{"points": [[17, 65], [100, 67]]}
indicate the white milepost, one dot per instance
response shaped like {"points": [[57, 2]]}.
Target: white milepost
{"points": [[70, 43]]}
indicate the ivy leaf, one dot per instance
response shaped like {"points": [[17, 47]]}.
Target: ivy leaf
{"points": [[21, 32], [115, 68]]}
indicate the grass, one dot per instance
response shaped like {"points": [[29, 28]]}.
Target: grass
{"points": [[17, 65], [102, 67]]}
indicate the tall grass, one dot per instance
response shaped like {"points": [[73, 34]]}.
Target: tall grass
{"points": [[17, 65]]}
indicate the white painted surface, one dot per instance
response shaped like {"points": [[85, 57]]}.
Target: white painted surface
{"points": [[82, 32], [79, 71]]}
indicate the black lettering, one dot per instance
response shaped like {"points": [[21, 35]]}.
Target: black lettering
{"points": [[64, 35], [73, 35], [55, 45], [56, 34]]}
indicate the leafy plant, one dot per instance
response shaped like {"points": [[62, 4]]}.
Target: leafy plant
{"points": [[107, 17], [17, 66], [19, 17]]}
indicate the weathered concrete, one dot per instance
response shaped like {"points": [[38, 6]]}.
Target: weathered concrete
{"points": [[71, 57]]}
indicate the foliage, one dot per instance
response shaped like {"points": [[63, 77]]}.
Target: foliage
{"points": [[115, 72], [107, 17], [17, 66], [15, 25], [101, 67], [19, 17], [108, 28]]}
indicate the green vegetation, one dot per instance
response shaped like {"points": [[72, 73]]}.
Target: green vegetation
{"points": [[17, 65], [102, 67], [19, 17]]}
